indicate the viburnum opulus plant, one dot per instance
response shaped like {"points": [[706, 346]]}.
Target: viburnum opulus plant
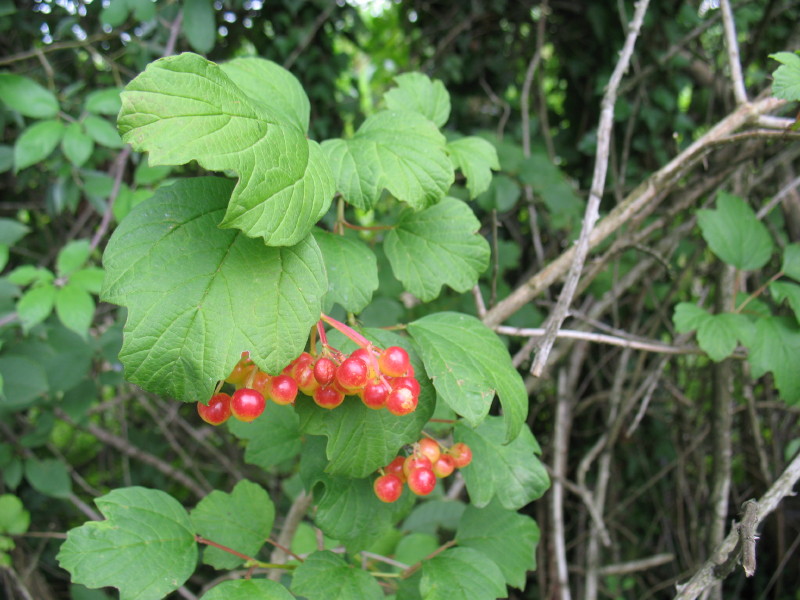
{"points": [[229, 282]]}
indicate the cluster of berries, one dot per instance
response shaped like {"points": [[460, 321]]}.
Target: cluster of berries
{"points": [[381, 378], [420, 469]]}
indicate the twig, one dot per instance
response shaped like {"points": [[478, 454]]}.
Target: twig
{"points": [[704, 577], [732, 45], [595, 194], [7, 60], [318, 22], [636, 565], [174, 29], [296, 513], [560, 449]]}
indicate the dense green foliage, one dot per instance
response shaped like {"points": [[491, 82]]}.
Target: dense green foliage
{"points": [[186, 180]]}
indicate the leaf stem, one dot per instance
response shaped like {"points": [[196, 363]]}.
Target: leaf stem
{"points": [[416, 566], [249, 560], [346, 330], [758, 292]]}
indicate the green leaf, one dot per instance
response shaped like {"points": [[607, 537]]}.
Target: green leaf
{"points": [[49, 477], [65, 357], [326, 576], [349, 451], [76, 145], [36, 305], [734, 233], [476, 158], [507, 538], [270, 85], [72, 257], [717, 334], [89, 279], [198, 296], [775, 348], [198, 25], [502, 195], [791, 261], [145, 547], [414, 547], [461, 573], [553, 186], [352, 271], [186, 108], [14, 519], [75, 308], [512, 472], [28, 274], [400, 151], [786, 78], [240, 520], [102, 132], [469, 364], [688, 317], [12, 231], [248, 589], [104, 102], [416, 91], [437, 246], [36, 143], [115, 14], [434, 514], [23, 382], [27, 97], [271, 439], [783, 290]]}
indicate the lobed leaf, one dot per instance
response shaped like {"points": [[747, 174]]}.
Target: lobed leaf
{"points": [[185, 107], [468, 365], [352, 271], [436, 246], [784, 290], [271, 439], [197, 296], [400, 151], [461, 573], [791, 261], [326, 576], [786, 78], [775, 349], [248, 589], [417, 92], [476, 158], [145, 547]]}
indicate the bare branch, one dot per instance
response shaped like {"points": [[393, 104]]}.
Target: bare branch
{"points": [[732, 44]]}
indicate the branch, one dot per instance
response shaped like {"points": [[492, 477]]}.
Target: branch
{"points": [[595, 194], [651, 190], [739, 91], [705, 576], [297, 511]]}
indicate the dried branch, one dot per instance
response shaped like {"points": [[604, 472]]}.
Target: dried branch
{"points": [[732, 45], [295, 516]]}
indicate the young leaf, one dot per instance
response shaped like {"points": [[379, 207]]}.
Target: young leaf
{"points": [[734, 233], [36, 143], [104, 102], [326, 576], [512, 471], [49, 477], [102, 132], [784, 290], [688, 317], [416, 91], [502, 195], [14, 519], [198, 296], [184, 108], [350, 452], [269, 84], [775, 348], [72, 257], [248, 589], [12, 231], [352, 271], [401, 151], [76, 145], [145, 547], [240, 520], [271, 439], [476, 158], [198, 25], [436, 246], [507, 538], [36, 305], [791, 261], [468, 364], [786, 78], [717, 334], [75, 308], [89, 279], [461, 573], [27, 97]]}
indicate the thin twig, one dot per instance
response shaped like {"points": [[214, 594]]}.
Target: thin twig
{"points": [[732, 45], [595, 193], [560, 449], [295, 516], [318, 22]]}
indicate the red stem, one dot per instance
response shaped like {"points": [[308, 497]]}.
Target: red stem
{"points": [[346, 330], [202, 540]]}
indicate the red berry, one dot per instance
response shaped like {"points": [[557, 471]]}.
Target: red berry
{"points": [[352, 374], [247, 404], [415, 461], [324, 370], [375, 393], [429, 448], [421, 481], [394, 361], [304, 359], [401, 401], [461, 453], [406, 382], [388, 488], [217, 410], [368, 358], [304, 376], [444, 466], [260, 382], [282, 389], [242, 371], [328, 397], [396, 467]]}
